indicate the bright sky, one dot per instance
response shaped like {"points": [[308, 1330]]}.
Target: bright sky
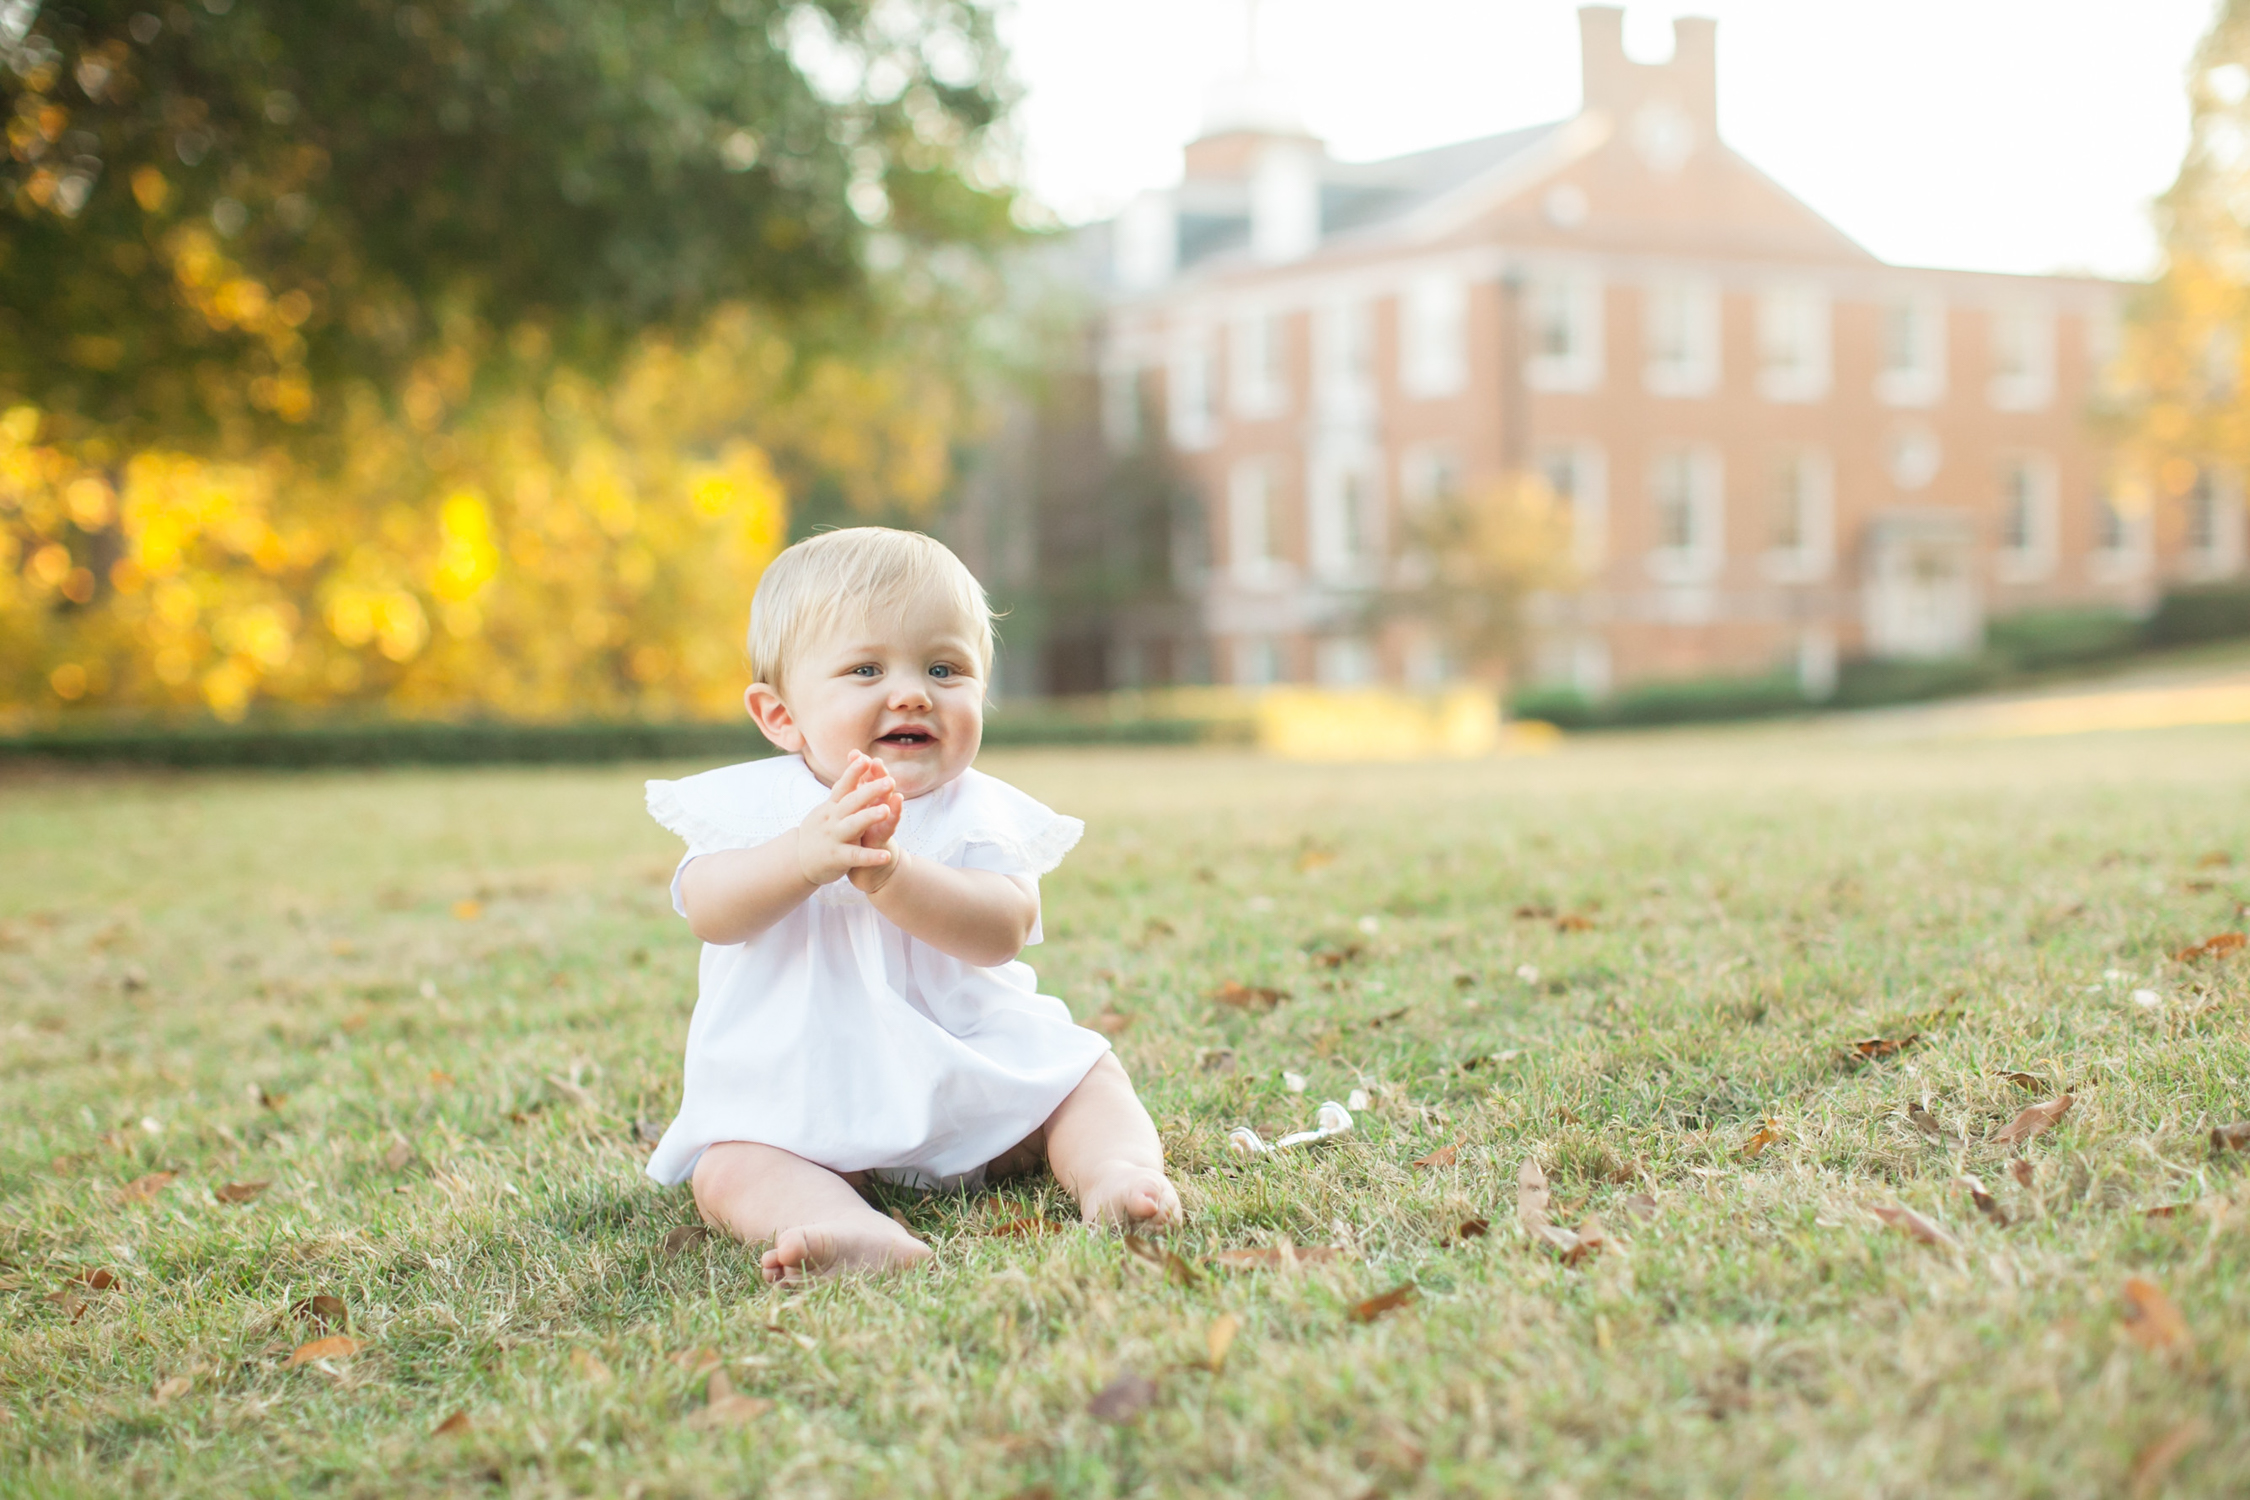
{"points": [[2000, 135]]}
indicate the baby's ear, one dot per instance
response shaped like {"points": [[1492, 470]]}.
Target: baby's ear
{"points": [[773, 718]]}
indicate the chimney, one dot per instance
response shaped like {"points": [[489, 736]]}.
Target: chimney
{"points": [[1619, 87], [1285, 201]]}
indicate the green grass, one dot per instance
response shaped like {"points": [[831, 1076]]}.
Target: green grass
{"points": [[452, 1149]]}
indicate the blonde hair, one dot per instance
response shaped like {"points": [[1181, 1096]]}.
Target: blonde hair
{"points": [[822, 580]]}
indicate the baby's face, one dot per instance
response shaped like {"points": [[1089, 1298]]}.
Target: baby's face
{"points": [[904, 690]]}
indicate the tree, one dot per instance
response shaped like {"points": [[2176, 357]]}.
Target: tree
{"points": [[220, 213], [1472, 563]]}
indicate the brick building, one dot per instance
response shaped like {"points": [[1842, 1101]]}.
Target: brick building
{"points": [[1776, 449]]}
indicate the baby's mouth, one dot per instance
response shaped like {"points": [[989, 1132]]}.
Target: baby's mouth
{"points": [[909, 738]]}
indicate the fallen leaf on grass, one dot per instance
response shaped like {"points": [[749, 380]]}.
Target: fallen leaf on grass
{"points": [[2167, 1210], [685, 1238], [2156, 1460], [1468, 1229], [264, 1100], [696, 1361], [2218, 945], [1930, 1125], [1533, 913], [1156, 1255], [1444, 1156], [1868, 1049], [396, 1159], [1532, 1211], [1124, 1398], [2026, 1081], [1383, 1302], [439, 1078], [589, 1366], [141, 1189], [335, 1346], [71, 1300], [1571, 921], [325, 1307], [1109, 1021], [1765, 1137], [1986, 1204], [1277, 1257], [2152, 1319], [2020, 1169], [100, 1278], [1314, 858], [723, 1407], [239, 1192], [1906, 1221], [452, 1426], [1336, 958], [171, 1386], [1025, 1224], [1248, 996], [1219, 1338], [467, 910], [2034, 1119], [1640, 1206], [2235, 1137]]}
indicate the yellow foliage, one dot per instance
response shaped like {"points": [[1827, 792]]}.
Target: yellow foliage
{"points": [[560, 549]]}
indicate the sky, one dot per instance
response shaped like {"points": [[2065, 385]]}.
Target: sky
{"points": [[1991, 135]]}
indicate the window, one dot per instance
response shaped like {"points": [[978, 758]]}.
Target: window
{"points": [[2027, 518], [1793, 344], [1189, 379], [1259, 379], [1683, 337], [1562, 313], [1433, 336], [1345, 350], [1685, 515], [1912, 455], [1800, 521], [1344, 661], [1578, 475], [1253, 537], [2121, 530], [1257, 661], [2213, 542], [2023, 358], [1344, 521], [1913, 339]]}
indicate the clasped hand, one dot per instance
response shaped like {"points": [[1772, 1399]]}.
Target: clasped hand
{"points": [[850, 833]]}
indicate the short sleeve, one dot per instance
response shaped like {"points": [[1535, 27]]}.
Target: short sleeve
{"points": [[735, 807], [987, 824]]}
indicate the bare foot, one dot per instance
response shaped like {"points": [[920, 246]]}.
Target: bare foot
{"points": [[840, 1247], [1131, 1197]]}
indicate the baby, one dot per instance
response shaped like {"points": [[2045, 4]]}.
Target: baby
{"points": [[861, 900]]}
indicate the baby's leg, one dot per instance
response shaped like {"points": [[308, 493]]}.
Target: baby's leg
{"points": [[1104, 1151], [816, 1222]]}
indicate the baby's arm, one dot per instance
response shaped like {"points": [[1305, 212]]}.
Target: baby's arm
{"points": [[735, 894], [977, 916]]}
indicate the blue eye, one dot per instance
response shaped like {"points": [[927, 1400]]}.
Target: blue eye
{"points": [[865, 670], [941, 670]]}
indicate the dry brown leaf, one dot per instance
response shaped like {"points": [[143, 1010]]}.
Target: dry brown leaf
{"points": [[2153, 1319], [2168, 1210], [2029, 1081], [1314, 859], [239, 1192], [1533, 913], [686, 1237], [1219, 1338], [169, 1387], [440, 1078], [1571, 921], [324, 1307], [1157, 1255], [1532, 1209], [2021, 1170], [1640, 1206], [1986, 1204], [696, 1361], [1124, 1398], [2218, 945], [2034, 1119], [335, 1346], [141, 1189], [589, 1366], [265, 1100], [1248, 996], [1906, 1221], [71, 1300], [452, 1426], [1870, 1048], [1590, 1237], [722, 1407], [1025, 1224], [1468, 1229], [1444, 1156], [1930, 1125], [1383, 1302], [1277, 1257], [467, 910], [1336, 958], [2235, 1137], [1765, 1137], [100, 1278], [2156, 1460], [1110, 1021], [398, 1156]]}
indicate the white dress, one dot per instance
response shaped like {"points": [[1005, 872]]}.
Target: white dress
{"points": [[836, 1036]]}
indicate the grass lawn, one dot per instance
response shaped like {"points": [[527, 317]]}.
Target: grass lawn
{"points": [[431, 1012]]}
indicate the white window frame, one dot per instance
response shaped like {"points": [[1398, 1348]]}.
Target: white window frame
{"points": [[1814, 556], [1257, 369], [1433, 343], [2221, 556], [1574, 294], [2132, 554], [1253, 549], [1190, 402], [2027, 479], [1680, 323], [1795, 339], [1344, 360], [1257, 661], [1921, 383], [1346, 661], [2023, 357], [1704, 474], [1345, 534], [1585, 495]]}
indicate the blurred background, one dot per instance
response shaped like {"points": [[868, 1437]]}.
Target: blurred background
{"points": [[380, 373]]}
